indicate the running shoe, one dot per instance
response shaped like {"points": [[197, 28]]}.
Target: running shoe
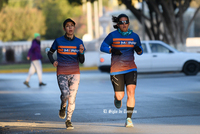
{"points": [[69, 124], [129, 123], [26, 83], [62, 113], [42, 84], [118, 104]]}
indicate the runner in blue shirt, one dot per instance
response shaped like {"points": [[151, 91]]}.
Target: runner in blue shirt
{"points": [[121, 44], [70, 51]]}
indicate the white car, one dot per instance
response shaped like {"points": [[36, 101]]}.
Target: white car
{"points": [[159, 57]]}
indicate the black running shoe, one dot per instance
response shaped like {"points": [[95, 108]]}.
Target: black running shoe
{"points": [[69, 125], [62, 113], [42, 84], [26, 83]]}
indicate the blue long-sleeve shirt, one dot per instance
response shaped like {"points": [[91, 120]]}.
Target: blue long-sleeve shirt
{"points": [[67, 55], [124, 63]]}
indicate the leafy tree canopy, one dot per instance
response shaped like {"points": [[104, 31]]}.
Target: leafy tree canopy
{"points": [[56, 12], [2, 3], [165, 20], [20, 23], [43, 16]]}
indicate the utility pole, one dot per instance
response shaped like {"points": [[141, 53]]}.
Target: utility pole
{"points": [[100, 14], [89, 19], [96, 19], [100, 8], [143, 23]]}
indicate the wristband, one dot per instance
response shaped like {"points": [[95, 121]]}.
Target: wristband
{"points": [[82, 53]]}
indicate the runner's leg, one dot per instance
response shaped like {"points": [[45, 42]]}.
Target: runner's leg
{"points": [[118, 85], [130, 80], [73, 88], [63, 85]]}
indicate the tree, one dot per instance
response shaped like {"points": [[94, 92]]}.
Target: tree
{"points": [[164, 20], [20, 23], [56, 12], [2, 2], [78, 2], [44, 16]]}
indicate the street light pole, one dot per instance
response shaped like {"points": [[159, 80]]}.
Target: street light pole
{"points": [[96, 19], [100, 14], [143, 24], [89, 19]]}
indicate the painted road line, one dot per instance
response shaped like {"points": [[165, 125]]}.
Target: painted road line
{"points": [[44, 70]]}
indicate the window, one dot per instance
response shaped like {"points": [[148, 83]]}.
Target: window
{"points": [[144, 48], [158, 48]]}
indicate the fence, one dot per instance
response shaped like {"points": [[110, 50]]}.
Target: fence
{"points": [[16, 52]]}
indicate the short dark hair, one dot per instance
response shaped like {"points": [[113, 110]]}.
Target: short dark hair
{"points": [[68, 20], [122, 15]]}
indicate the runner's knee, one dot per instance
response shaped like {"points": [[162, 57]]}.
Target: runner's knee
{"points": [[119, 96], [65, 93], [130, 93]]}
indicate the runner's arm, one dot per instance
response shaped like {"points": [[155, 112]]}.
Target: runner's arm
{"points": [[81, 58], [50, 55], [106, 45]]}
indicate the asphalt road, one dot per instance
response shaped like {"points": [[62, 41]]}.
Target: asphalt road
{"points": [[165, 103]]}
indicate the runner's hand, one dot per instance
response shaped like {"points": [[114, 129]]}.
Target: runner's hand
{"points": [[137, 49], [28, 58], [81, 48], [116, 51], [55, 64]]}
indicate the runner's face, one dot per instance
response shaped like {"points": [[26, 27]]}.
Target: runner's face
{"points": [[123, 27], [69, 28]]}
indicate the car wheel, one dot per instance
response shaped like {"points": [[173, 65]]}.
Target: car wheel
{"points": [[191, 68]]}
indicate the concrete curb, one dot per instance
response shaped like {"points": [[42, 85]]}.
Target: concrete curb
{"points": [[45, 70]]}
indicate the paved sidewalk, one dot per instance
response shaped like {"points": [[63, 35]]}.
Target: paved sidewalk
{"points": [[96, 128]]}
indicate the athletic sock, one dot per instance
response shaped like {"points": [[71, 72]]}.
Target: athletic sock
{"points": [[129, 111]]}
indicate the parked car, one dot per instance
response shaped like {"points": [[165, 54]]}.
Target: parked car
{"points": [[159, 57]]}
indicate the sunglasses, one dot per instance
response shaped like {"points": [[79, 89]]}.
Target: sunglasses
{"points": [[122, 22]]}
